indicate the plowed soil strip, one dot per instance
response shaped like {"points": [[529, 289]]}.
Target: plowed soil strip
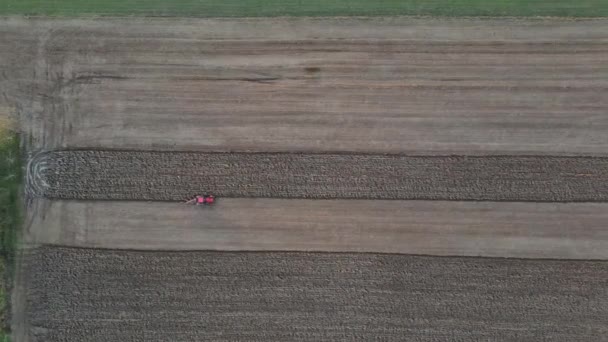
{"points": [[137, 175], [104, 295]]}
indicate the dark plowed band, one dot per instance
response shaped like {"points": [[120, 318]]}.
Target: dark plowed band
{"points": [[102, 295], [132, 175]]}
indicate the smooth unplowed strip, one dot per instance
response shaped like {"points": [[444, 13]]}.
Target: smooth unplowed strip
{"points": [[103, 295], [525, 230], [385, 85], [137, 175]]}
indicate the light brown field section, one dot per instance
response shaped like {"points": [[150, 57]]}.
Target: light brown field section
{"points": [[463, 86], [534, 230]]}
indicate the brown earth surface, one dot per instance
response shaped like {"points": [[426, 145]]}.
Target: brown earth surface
{"points": [[525, 230], [385, 85], [211, 296], [171, 176], [430, 86]]}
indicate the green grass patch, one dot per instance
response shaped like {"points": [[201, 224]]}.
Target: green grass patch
{"points": [[10, 220], [261, 8]]}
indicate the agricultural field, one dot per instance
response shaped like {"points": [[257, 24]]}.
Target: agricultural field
{"points": [[170, 176], [209, 296], [390, 85], [328, 141], [497, 229]]}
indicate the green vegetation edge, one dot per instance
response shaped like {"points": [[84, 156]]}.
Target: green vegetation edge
{"points": [[270, 8], [10, 220]]}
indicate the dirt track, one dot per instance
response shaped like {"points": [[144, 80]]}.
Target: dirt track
{"points": [[178, 175], [376, 85], [207, 296], [525, 230]]}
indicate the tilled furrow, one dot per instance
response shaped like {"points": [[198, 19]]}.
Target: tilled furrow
{"points": [[138, 175], [104, 295]]}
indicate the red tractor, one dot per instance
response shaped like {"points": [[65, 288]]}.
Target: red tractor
{"points": [[202, 200]]}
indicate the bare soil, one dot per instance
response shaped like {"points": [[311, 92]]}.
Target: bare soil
{"points": [[525, 230], [114, 175], [382, 85], [421, 86], [211, 296]]}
